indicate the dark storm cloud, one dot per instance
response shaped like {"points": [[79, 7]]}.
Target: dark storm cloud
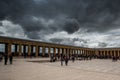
{"points": [[102, 44], [80, 40], [71, 26], [1, 32], [1, 24], [56, 40], [33, 35], [69, 41], [68, 15]]}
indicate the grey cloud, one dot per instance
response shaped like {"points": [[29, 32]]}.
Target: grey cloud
{"points": [[102, 45], [75, 39], [69, 41], [33, 35], [80, 40], [56, 40], [94, 15], [29, 24], [71, 26], [1, 23], [65, 41], [1, 33]]}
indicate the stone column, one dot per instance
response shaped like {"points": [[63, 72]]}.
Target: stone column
{"points": [[68, 51], [104, 53], [84, 52], [29, 50], [119, 53], [32, 50], [114, 53], [65, 51], [97, 52], [58, 51], [111, 53], [74, 51], [15, 48], [107, 53], [36, 47], [8, 49], [62, 50], [49, 51], [71, 51], [20, 49], [24, 51], [43, 51], [80, 51], [77, 51], [87, 52], [54, 51]]}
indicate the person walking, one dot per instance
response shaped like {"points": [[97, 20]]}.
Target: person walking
{"points": [[5, 59], [11, 59], [1, 57], [66, 60], [62, 59], [73, 58]]}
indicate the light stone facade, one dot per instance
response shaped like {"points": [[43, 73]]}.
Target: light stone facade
{"points": [[21, 44]]}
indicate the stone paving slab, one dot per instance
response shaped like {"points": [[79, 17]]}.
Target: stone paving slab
{"points": [[97, 65], [79, 70]]}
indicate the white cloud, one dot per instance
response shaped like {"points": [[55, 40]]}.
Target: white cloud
{"points": [[89, 39], [12, 30], [82, 37]]}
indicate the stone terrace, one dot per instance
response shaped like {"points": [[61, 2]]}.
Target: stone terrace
{"points": [[79, 70]]}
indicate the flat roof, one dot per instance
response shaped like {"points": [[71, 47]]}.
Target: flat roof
{"points": [[32, 40]]}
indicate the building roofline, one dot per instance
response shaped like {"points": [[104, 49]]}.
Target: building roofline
{"points": [[31, 40]]}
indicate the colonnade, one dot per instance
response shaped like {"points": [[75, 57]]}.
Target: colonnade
{"points": [[39, 50], [108, 53], [28, 48]]}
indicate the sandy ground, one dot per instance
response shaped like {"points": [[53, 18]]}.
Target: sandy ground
{"points": [[79, 70]]}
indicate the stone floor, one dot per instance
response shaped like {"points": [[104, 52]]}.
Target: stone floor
{"points": [[95, 69]]}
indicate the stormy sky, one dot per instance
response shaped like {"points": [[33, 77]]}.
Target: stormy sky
{"points": [[84, 23]]}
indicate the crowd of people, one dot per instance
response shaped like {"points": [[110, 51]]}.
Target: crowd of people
{"points": [[64, 58], [6, 57]]}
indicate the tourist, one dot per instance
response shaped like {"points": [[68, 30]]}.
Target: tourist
{"points": [[52, 58], [73, 58], [5, 59], [66, 59], [1, 57], [11, 58], [90, 57], [61, 59]]}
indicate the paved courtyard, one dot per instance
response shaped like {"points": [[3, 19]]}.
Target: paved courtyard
{"points": [[25, 69]]}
